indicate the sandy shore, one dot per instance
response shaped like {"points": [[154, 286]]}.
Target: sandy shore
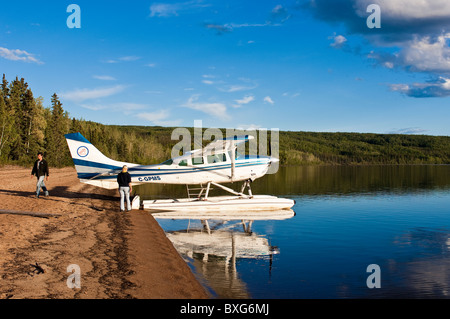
{"points": [[120, 255]]}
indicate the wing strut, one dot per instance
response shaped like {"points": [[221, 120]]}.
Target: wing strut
{"points": [[233, 162]]}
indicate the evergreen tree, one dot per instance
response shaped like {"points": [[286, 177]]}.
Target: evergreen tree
{"points": [[6, 129], [16, 101], [8, 132], [28, 113], [57, 151], [5, 89], [38, 125]]}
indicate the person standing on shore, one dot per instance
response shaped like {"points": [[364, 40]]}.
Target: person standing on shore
{"points": [[125, 188], [40, 170]]}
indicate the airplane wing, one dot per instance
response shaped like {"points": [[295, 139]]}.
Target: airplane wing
{"points": [[226, 144]]}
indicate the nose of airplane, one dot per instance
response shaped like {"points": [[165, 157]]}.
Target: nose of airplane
{"points": [[273, 160]]}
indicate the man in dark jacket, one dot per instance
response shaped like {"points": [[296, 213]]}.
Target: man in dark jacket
{"points": [[40, 170], [124, 180]]}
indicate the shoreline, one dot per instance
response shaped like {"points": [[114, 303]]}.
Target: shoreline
{"points": [[120, 255]]}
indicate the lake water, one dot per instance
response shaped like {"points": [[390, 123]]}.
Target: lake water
{"points": [[346, 218]]}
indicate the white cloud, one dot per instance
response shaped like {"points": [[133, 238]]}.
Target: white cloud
{"points": [[389, 64], [94, 107], [248, 127], [80, 95], [268, 99], [237, 88], [417, 30], [420, 54], [245, 100], [18, 55], [159, 118], [164, 9], [291, 95], [229, 27], [154, 116], [218, 110], [104, 77], [128, 58], [338, 41], [435, 88], [423, 54], [209, 82], [153, 92], [232, 26], [126, 107], [280, 14], [173, 9], [408, 130]]}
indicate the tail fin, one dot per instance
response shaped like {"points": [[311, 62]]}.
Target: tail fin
{"points": [[91, 165]]}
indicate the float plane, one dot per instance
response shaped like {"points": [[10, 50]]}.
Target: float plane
{"points": [[216, 164]]}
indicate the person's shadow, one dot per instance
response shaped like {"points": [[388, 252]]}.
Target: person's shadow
{"points": [[58, 193]]}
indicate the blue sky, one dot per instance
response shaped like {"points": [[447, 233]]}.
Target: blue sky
{"points": [[292, 65]]}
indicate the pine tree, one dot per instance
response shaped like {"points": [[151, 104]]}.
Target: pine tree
{"points": [[6, 128], [57, 151], [38, 125], [21, 103], [7, 120], [5, 88], [28, 113]]}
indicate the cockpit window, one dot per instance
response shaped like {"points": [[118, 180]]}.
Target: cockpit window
{"points": [[236, 154], [183, 163], [216, 158], [197, 160], [168, 162]]}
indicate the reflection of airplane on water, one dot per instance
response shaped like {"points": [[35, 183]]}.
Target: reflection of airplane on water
{"points": [[215, 247], [217, 241], [217, 163], [214, 253], [229, 215], [223, 243]]}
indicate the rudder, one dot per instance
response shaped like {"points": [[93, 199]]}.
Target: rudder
{"points": [[88, 160]]}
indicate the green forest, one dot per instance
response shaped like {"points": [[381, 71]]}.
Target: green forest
{"points": [[27, 126]]}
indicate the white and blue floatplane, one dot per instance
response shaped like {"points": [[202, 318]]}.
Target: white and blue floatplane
{"points": [[216, 164]]}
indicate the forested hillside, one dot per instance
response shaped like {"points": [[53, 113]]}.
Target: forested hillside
{"points": [[28, 126]]}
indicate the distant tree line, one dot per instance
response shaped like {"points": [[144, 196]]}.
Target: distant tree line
{"points": [[28, 127]]}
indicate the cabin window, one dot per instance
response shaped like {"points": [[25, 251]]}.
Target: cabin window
{"points": [[183, 163], [217, 158], [197, 160], [236, 154]]}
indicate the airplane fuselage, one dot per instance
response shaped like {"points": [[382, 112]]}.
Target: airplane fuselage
{"points": [[246, 167], [216, 165]]}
